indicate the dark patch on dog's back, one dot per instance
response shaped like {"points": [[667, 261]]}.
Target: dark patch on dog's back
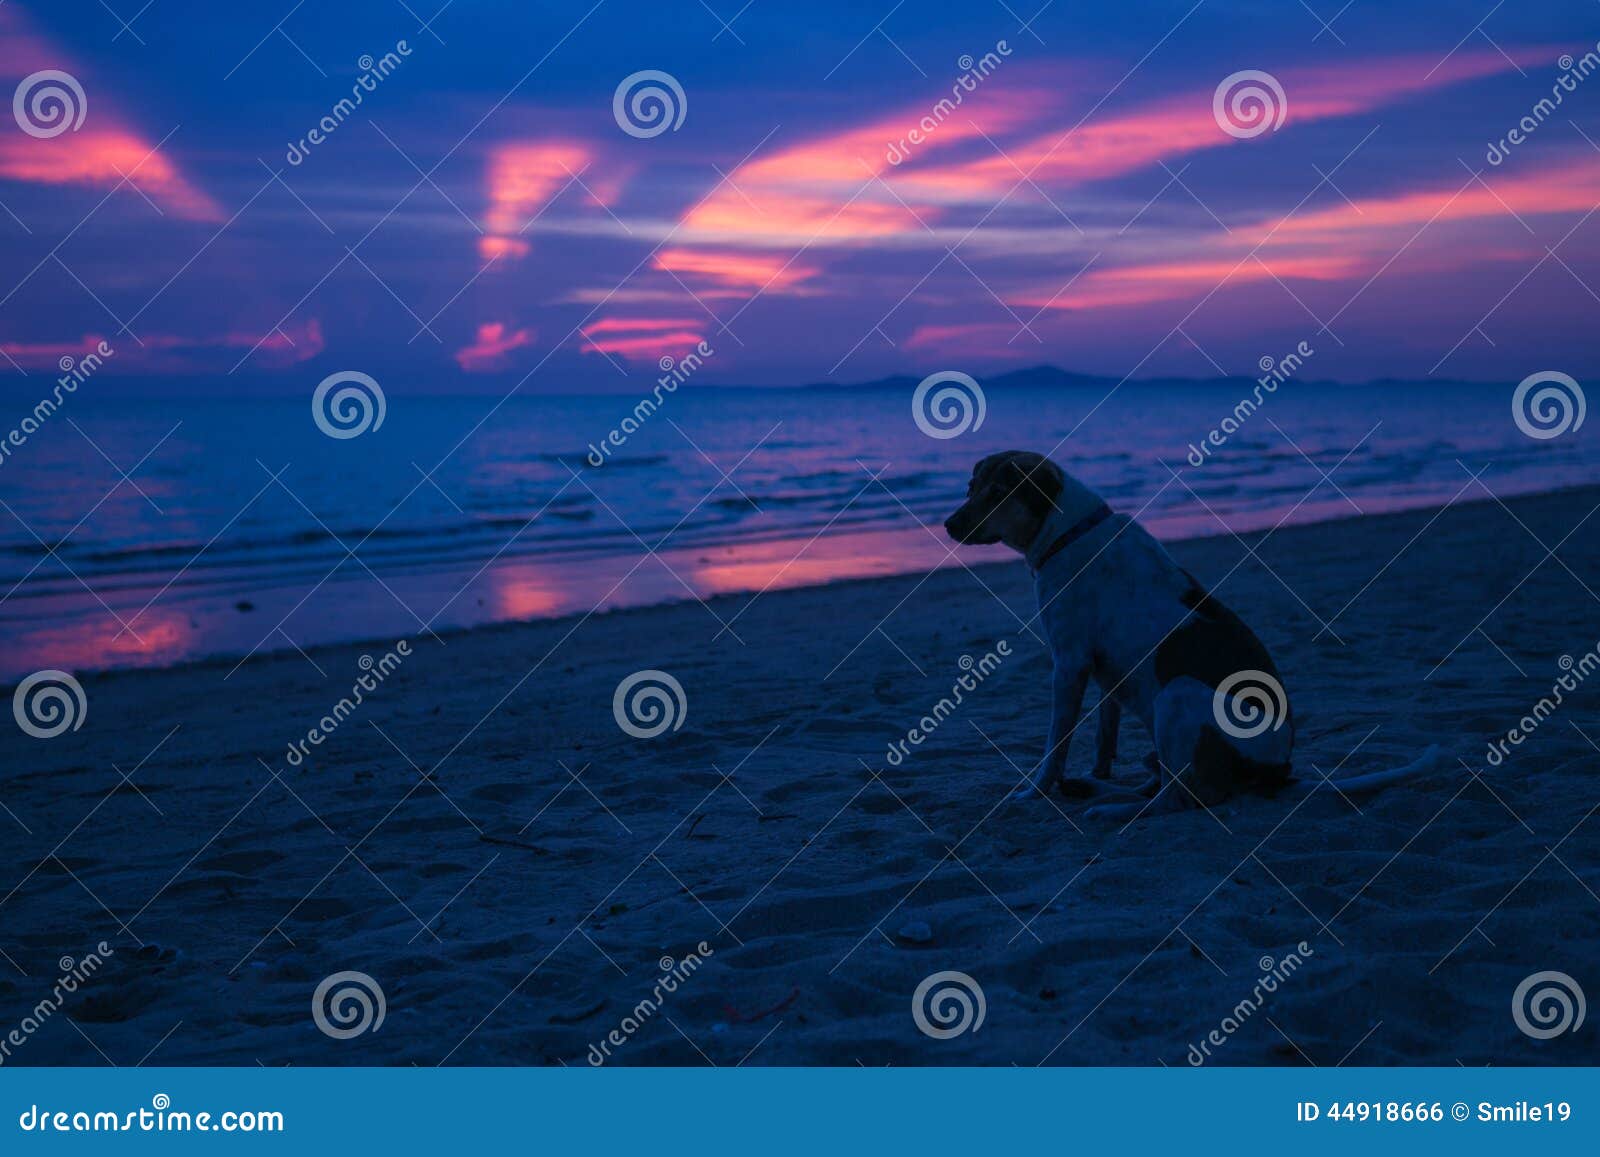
{"points": [[1212, 644]]}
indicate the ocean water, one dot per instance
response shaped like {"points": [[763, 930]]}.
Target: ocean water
{"points": [[147, 532]]}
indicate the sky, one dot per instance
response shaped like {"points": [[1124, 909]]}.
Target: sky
{"points": [[490, 217]]}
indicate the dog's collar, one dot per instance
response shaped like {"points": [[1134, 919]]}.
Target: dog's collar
{"points": [[1072, 534]]}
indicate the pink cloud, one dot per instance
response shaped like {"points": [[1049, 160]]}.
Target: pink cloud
{"points": [[103, 151], [728, 267], [840, 190], [525, 176], [821, 189], [643, 337], [488, 352], [1111, 145], [1164, 281], [492, 248], [1573, 188], [975, 339], [48, 354], [1346, 241], [282, 346], [161, 352]]}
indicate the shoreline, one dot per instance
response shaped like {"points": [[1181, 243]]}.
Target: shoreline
{"points": [[721, 599]]}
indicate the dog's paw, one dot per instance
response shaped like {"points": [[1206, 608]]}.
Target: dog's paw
{"points": [[1025, 792], [1149, 787]]}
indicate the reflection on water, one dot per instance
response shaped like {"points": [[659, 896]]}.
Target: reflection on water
{"points": [[355, 606], [245, 530], [87, 641]]}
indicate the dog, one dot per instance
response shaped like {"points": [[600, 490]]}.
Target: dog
{"points": [[1118, 609]]}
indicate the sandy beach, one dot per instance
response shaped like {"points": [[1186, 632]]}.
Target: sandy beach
{"points": [[483, 839]]}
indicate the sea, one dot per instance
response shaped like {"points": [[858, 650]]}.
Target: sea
{"points": [[151, 531]]}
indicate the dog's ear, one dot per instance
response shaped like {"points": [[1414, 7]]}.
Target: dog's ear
{"points": [[984, 470], [1038, 482]]}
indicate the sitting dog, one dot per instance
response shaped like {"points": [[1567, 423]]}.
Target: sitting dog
{"points": [[1116, 607]]}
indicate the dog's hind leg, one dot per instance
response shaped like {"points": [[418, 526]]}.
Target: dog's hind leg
{"points": [[1182, 715]]}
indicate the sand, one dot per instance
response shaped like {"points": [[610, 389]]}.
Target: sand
{"points": [[483, 839]]}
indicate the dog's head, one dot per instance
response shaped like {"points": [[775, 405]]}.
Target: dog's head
{"points": [[1008, 499]]}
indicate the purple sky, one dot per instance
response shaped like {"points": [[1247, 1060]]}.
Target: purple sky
{"points": [[483, 220]]}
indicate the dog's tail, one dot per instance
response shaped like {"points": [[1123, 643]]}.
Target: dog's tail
{"points": [[1378, 780]]}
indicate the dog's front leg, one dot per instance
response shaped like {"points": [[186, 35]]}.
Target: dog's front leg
{"points": [[1067, 686], [1105, 753]]}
